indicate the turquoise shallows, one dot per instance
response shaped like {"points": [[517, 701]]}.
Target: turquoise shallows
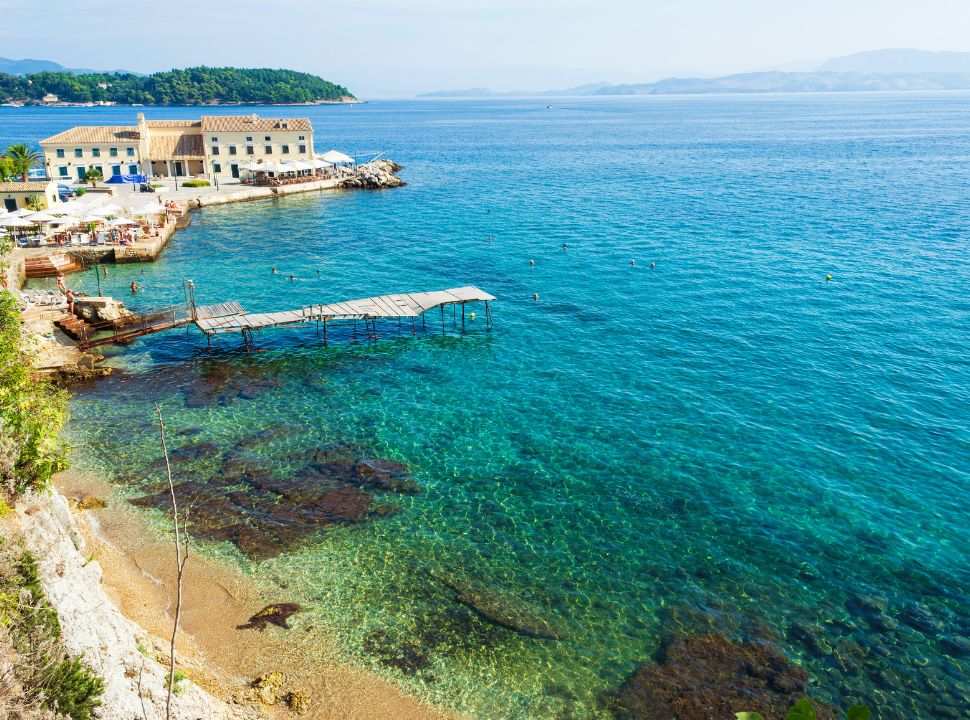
{"points": [[723, 441]]}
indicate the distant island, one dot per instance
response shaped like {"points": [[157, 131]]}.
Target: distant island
{"points": [[191, 86], [878, 70]]}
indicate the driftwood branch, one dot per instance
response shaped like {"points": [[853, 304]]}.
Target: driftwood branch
{"points": [[181, 556]]}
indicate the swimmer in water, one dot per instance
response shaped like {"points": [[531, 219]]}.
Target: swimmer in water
{"points": [[633, 263], [564, 246], [489, 239], [134, 287], [532, 263], [535, 297], [274, 271]]}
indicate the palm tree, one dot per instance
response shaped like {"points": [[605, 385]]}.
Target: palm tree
{"points": [[21, 159]]}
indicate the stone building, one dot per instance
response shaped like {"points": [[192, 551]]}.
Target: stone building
{"points": [[211, 147]]}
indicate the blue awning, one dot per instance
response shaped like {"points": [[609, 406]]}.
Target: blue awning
{"points": [[120, 179]]}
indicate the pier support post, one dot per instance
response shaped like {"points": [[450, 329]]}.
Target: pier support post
{"points": [[324, 330], [463, 316], [442, 319]]}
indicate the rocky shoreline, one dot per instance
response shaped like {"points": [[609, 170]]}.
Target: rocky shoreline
{"points": [[116, 649]]}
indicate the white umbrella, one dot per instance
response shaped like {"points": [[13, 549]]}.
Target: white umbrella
{"points": [[15, 222], [251, 165], [43, 217], [317, 163], [297, 165], [333, 156], [122, 221], [92, 219], [22, 212]]}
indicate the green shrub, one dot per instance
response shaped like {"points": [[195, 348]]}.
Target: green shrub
{"points": [[32, 412], [80, 191], [196, 183]]}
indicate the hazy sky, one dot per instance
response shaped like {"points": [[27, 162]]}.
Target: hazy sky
{"points": [[400, 47]]}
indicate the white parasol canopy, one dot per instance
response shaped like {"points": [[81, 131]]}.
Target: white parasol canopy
{"points": [[15, 222], [297, 165], [22, 212], [317, 163], [251, 165], [334, 156], [43, 217], [92, 219], [118, 222]]}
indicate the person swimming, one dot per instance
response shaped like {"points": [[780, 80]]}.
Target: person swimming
{"points": [[134, 287]]}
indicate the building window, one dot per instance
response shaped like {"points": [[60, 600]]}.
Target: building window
{"points": [[95, 152], [250, 150], [130, 152], [269, 149], [60, 152], [286, 149], [215, 149], [302, 137], [302, 149], [115, 170], [232, 149], [132, 169], [267, 138], [99, 169], [78, 152], [249, 138], [113, 152], [216, 168], [62, 171], [215, 139]]}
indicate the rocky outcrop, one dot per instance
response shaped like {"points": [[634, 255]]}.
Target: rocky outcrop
{"points": [[115, 648], [505, 609], [708, 676], [376, 175], [238, 495]]}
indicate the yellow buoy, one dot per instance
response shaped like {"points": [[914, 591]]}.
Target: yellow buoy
{"points": [[828, 277], [472, 316]]}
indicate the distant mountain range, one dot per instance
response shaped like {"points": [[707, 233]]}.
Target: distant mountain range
{"points": [[27, 66], [894, 70]]}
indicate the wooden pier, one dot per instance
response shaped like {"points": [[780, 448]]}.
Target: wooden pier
{"points": [[230, 317]]}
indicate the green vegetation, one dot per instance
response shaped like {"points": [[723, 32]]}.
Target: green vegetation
{"points": [[16, 162], [45, 676], [32, 411], [804, 710], [93, 175], [32, 202], [80, 191], [196, 183], [191, 86]]}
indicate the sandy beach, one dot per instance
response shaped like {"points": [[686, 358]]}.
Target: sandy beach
{"points": [[139, 576]]}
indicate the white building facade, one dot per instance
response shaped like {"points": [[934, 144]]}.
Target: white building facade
{"points": [[212, 147]]}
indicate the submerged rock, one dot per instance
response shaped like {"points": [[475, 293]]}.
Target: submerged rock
{"points": [[275, 614], [407, 655], [708, 676], [507, 610], [384, 475]]}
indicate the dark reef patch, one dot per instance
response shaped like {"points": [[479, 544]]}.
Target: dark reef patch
{"points": [[708, 676]]}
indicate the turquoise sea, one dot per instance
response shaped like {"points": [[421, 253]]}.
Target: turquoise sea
{"points": [[723, 441]]}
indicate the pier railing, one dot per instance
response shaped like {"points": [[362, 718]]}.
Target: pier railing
{"points": [[126, 329]]}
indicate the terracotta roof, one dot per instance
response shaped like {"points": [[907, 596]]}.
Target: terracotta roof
{"points": [[24, 186], [186, 145], [94, 134], [244, 123], [173, 123]]}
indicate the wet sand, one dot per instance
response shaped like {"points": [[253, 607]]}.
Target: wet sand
{"points": [[139, 575]]}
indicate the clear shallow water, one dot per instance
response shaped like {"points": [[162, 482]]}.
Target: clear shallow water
{"points": [[724, 441]]}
